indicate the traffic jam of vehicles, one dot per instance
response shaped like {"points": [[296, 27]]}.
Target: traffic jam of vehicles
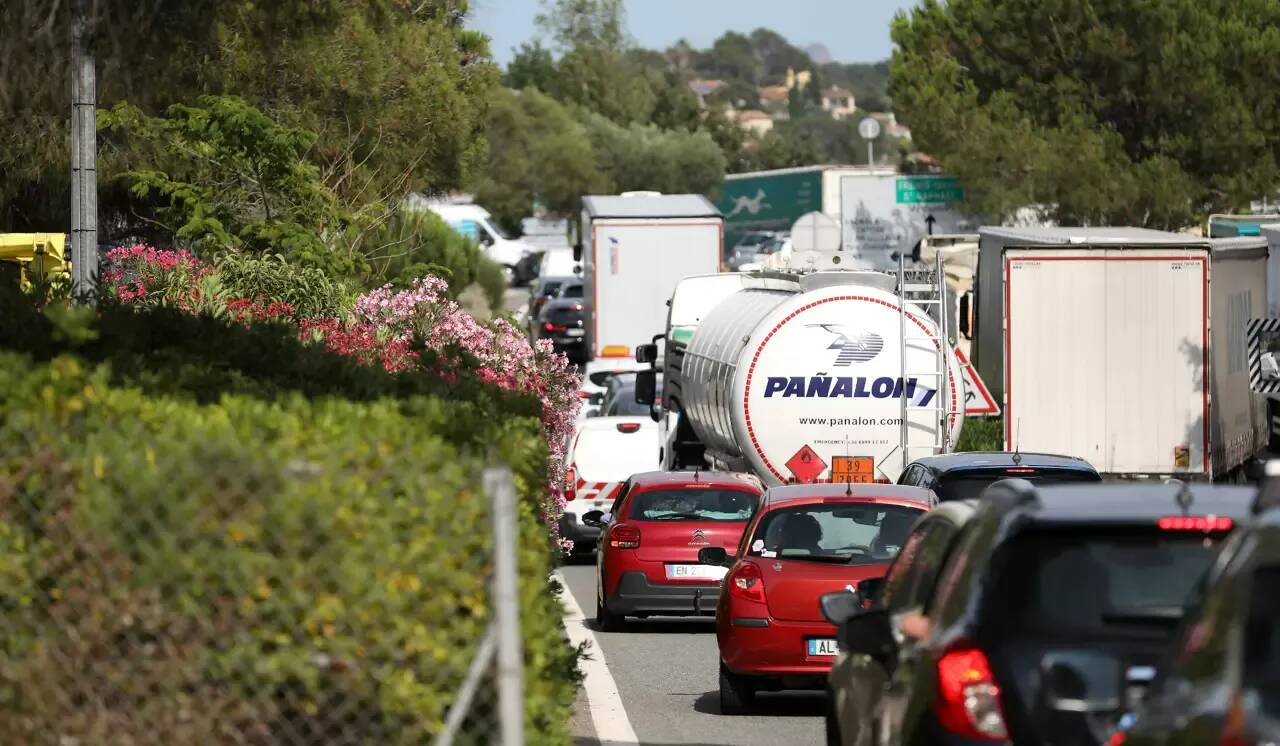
{"points": [[771, 438]]}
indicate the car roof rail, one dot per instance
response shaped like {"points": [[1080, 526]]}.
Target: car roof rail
{"points": [[1269, 491]]}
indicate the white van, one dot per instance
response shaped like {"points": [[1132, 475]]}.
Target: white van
{"points": [[473, 221]]}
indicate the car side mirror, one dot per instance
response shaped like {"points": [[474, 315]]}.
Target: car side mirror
{"points": [[593, 518], [577, 254], [647, 353], [840, 606], [867, 633], [646, 387], [715, 556]]}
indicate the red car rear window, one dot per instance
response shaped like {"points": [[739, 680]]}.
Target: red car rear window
{"points": [[693, 504], [854, 534]]}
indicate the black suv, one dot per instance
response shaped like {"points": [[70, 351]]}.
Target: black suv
{"points": [[562, 321], [1222, 682], [960, 476], [1041, 619]]}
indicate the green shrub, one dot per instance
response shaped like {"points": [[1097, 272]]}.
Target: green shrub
{"points": [[982, 434], [309, 290], [250, 570], [413, 244]]}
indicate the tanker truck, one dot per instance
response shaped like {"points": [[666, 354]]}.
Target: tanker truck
{"points": [[829, 376]]}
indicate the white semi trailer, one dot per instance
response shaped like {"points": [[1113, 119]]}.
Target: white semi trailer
{"points": [[1125, 347], [827, 376]]}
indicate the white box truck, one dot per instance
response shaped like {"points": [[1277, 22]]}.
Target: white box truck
{"points": [[1126, 348], [634, 249]]}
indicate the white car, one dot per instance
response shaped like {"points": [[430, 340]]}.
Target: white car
{"points": [[604, 453]]}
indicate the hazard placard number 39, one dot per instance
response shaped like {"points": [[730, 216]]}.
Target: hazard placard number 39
{"points": [[855, 469]]}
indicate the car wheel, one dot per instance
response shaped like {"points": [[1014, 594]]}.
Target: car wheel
{"points": [[737, 693], [606, 620]]}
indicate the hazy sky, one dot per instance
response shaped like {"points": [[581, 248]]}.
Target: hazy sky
{"points": [[853, 30]]}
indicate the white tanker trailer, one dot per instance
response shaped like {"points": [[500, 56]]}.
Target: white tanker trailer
{"points": [[828, 376]]}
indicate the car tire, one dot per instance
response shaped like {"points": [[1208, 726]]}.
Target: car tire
{"points": [[607, 621], [737, 693]]}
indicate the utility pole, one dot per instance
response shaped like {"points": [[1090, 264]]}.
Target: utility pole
{"points": [[84, 156]]}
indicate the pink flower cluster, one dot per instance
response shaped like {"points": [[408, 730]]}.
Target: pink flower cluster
{"points": [[496, 353], [391, 329]]}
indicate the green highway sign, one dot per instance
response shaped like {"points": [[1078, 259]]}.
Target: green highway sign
{"points": [[929, 190]]}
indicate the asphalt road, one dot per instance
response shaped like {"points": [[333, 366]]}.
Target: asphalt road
{"points": [[666, 674]]}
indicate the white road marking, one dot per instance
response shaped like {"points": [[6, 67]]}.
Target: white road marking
{"points": [[608, 716]]}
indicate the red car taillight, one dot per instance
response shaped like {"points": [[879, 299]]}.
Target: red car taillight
{"points": [[570, 483], [1195, 523], [550, 327], [623, 536], [968, 697], [746, 583]]}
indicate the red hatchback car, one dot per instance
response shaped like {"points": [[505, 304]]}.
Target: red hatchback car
{"points": [[648, 562], [806, 540]]}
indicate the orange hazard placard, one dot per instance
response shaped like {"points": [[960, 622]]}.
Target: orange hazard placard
{"points": [[855, 469]]}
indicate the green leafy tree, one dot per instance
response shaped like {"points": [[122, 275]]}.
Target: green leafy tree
{"points": [[1145, 113], [223, 176], [533, 66], [538, 151], [641, 157], [413, 244], [395, 91]]}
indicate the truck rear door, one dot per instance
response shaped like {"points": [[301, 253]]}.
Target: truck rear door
{"points": [[1106, 356]]}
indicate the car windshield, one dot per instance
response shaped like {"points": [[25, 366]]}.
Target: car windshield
{"points": [[969, 485], [693, 504], [551, 287], [1098, 580], [621, 402], [848, 533], [500, 231]]}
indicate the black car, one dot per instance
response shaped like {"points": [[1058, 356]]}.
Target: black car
{"points": [[548, 288], [562, 321], [1042, 619], [1222, 682], [960, 476], [620, 398]]}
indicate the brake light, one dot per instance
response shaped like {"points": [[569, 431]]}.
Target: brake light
{"points": [[628, 427], [570, 483], [550, 327], [615, 351], [584, 394], [1117, 738], [623, 536], [747, 583], [1195, 523], [576, 307], [1019, 471], [1233, 728], [968, 696]]}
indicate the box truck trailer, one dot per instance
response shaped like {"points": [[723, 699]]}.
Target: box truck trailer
{"points": [[634, 249], [1126, 347], [826, 376]]}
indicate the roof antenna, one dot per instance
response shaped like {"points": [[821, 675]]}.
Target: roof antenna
{"points": [[848, 489], [1017, 441], [696, 467]]}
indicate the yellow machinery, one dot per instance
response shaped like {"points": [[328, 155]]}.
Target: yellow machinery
{"points": [[40, 256]]}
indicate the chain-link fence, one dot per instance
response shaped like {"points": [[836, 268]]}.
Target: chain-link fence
{"points": [[262, 573]]}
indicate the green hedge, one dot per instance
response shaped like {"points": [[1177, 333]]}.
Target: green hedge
{"points": [[212, 533]]}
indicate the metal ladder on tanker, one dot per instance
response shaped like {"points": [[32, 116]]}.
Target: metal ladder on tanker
{"points": [[927, 289]]}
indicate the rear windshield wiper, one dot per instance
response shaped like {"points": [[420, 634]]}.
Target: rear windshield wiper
{"points": [[679, 517]]}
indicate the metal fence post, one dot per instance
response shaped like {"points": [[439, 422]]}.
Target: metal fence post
{"points": [[500, 485]]}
